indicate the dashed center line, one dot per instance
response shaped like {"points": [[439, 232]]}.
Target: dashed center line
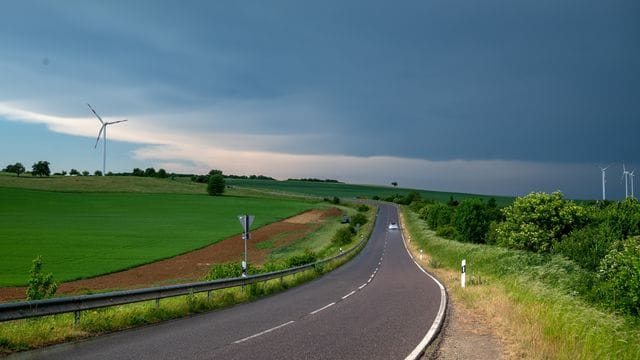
{"points": [[322, 308], [362, 286], [349, 294], [263, 332]]}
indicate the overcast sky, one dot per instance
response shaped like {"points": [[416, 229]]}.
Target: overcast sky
{"points": [[495, 97]]}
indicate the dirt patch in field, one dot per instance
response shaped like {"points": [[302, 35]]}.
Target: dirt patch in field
{"points": [[194, 265]]}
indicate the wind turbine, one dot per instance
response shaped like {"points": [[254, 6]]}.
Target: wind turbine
{"points": [[625, 175], [604, 181], [103, 133], [631, 176]]}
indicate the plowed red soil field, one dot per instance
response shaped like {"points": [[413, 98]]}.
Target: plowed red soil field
{"points": [[194, 265]]}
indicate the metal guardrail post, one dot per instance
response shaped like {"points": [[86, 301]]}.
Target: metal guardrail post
{"points": [[76, 318]]}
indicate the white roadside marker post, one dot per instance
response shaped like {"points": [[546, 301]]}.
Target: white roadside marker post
{"points": [[420, 254], [464, 273]]}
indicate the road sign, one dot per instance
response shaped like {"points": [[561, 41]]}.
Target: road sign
{"points": [[246, 221]]}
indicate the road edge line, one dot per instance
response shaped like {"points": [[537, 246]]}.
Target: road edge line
{"points": [[438, 321]]}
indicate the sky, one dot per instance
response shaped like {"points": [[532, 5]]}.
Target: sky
{"points": [[493, 97]]}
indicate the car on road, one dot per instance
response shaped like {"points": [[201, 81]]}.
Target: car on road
{"points": [[393, 226]]}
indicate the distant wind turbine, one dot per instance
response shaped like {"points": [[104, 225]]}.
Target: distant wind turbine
{"points": [[604, 181], [103, 133], [631, 176], [625, 175]]}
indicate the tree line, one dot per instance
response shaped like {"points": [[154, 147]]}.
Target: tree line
{"points": [[601, 237]]}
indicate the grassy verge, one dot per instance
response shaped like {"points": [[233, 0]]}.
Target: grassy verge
{"points": [[33, 333], [525, 297]]}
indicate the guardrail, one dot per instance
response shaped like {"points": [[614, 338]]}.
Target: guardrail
{"points": [[76, 304]]}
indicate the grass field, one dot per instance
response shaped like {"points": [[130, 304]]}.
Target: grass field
{"points": [[324, 189], [83, 234]]}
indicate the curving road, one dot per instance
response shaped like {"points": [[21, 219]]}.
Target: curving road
{"points": [[380, 305]]}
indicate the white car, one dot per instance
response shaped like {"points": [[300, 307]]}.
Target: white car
{"points": [[393, 226]]}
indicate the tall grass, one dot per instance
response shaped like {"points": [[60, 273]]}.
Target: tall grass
{"points": [[551, 319]]}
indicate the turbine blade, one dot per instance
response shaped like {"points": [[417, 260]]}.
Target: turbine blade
{"points": [[95, 113], [115, 122], [99, 134]]}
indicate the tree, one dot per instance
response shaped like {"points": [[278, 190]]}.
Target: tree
{"points": [[150, 172], [472, 219], [85, 173], [41, 168], [395, 184], [216, 185], [97, 173], [16, 168], [535, 221], [138, 172], [40, 286], [162, 174]]}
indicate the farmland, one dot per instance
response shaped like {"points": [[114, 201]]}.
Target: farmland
{"points": [[84, 230], [341, 190]]}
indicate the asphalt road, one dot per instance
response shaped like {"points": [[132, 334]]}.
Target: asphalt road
{"points": [[380, 305]]}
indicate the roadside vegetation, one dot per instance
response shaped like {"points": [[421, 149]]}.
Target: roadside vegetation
{"points": [[569, 272]]}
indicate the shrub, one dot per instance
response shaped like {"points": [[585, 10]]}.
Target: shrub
{"points": [[363, 208], [536, 221], [447, 231], [40, 286], [343, 236], [619, 274], [623, 218], [587, 246], [472, 219], [359, 218], [439, 215], [307, 257]]}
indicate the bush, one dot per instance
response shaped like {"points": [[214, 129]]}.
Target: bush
{"points": [[587, 246], [363, 208], [447, 231], [307, 257], [438, 215], [619, 274], [472, 219], [359, 218], [536, 221], [343, 236], [40, 286]]}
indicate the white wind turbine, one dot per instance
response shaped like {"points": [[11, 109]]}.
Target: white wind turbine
{"points": [[103, 133], [604, 181], [625, 175], [631, 176]]}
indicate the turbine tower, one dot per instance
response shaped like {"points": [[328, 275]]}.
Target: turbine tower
{"points": [[604, 181], [631, 176], [103, 133], [625, 175]]}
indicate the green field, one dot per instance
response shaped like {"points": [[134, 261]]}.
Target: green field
{"points": [[83, 234], [341, 190]]}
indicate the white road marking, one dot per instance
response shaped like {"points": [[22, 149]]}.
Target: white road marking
{"points": [[362, 286], [263, 332], [322, 308], [349, 294]]}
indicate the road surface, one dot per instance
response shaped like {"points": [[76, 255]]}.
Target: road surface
{"points": [[379, 305]]}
